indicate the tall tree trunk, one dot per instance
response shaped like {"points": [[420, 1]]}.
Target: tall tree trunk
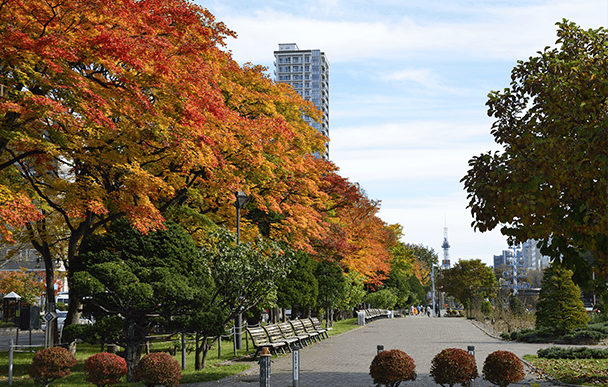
{"points": [[201, 351], [197, 352]]}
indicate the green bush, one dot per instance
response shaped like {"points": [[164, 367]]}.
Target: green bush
{"points": [[572, 353], [104, 369], [50, 364], [505, 336], [390, 368], [158, 368], [486, 308], [516, 306], [452, 366], [503, 368], [585, 336]]}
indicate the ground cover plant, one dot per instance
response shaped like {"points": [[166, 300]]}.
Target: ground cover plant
{"points": [[573, 371]]}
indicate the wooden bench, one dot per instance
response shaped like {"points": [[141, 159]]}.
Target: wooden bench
{"points": [[310, 328], [288, 332], [318, 327], [276, 336], [261, 340], [300, 329]]}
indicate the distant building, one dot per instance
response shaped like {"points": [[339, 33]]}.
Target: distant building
{"points": [[307, 71], [502, 259], [532, 257]]}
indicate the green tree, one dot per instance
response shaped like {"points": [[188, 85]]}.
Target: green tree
{"points": [[244, 275], [143, 280], [299, 288], [354, 291], [468, 281], [550, 180], [331, 286], [559, 308], [382, 299], [417, 293]]}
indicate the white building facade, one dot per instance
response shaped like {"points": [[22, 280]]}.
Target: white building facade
{"points": [[307, 71]]}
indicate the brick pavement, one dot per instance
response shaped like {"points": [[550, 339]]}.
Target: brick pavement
{"points": [[343, 360]]}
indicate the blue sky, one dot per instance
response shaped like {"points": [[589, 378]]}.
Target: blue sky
{"points": [[408, 85]]}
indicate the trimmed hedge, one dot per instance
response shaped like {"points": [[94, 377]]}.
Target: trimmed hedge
{"points": [[453, 366], [390, 368], [503, 368], [105, 369], [158, 368], [572, 353], [50, 364]]}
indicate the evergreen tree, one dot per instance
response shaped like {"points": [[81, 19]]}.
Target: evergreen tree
{"points": [[300, 288], [560, 308]]}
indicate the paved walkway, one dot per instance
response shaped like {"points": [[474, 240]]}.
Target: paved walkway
{"points": [[344, 360]]}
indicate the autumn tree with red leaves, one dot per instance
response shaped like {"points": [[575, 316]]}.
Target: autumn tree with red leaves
{"points": [[133, 109]]}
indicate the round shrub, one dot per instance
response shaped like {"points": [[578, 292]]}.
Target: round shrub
{"points": [[390, 368], [50, 364], [158, 368], [503, 368], [452, 366], [104, 369]]}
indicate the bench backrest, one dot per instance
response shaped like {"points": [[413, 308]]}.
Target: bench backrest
{"points": [[316, 323], [258, 335], [308, 326], [286, 329], [274, 333], [298, 327]]}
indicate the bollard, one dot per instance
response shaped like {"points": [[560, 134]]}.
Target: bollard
{"points": [[380, 348], [296, 366], [471, 350], [183, 350], [264, 367], [10, 364]]}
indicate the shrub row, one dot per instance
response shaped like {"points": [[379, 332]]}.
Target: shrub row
{"points": [[449, 367], [591, 334], [573, 353], [104, 369]]}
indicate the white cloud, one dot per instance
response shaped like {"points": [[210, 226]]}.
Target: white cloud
{"points": [[497, 32]]}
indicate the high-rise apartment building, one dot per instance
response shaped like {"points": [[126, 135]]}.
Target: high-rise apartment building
{"points": [[307, 71]]}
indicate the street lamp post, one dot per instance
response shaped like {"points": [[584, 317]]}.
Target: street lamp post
{"points": [[434, 312], [241, 201]]}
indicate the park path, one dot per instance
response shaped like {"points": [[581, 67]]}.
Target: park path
{"points": [[344, 360]]}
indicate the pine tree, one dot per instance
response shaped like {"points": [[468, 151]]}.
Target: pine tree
{"points": [[560, 308]]}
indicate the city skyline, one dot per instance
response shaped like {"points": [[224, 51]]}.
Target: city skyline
{"points": [[409, 83]]}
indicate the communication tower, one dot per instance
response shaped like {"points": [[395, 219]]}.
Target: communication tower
{"points": [[445, 263]]}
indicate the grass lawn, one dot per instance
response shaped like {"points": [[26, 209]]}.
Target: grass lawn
{"points": [[216, 368], [580, 371]]}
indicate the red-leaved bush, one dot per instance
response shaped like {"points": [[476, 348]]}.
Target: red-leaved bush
{"points": [[503, 368], [104, 369], [390, 368], [50, 364], [158, 368], [452, 366]]}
